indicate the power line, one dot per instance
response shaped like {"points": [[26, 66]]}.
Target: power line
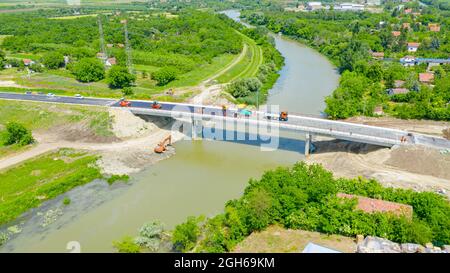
{"points": [[102, 38]]}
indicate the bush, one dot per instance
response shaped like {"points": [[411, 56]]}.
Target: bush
{"points": [[127, 245], [164, 75], [53, 60], [127, 91], [150, 235], [244, 87], [88, 70], [66, 201], [16, 133], [36, 67], [185, 235], [119, 77]]}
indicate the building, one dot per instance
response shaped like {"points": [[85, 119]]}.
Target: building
{"points": [[426, 77], [101, 55], [373, 2], [28, 62], [396, 33], [349, 7], [109, 45], [378, 55], [111, 61], [408, 60], [406, 26], [314, 5], [397, 91], [407, 11], [120, 45], [371, 205], [378, 110], [413, 46], [399, 83], [434, 27]]}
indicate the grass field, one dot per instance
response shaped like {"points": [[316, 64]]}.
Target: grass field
{"points": [[31, 183], [35, 115], [248, 66]]}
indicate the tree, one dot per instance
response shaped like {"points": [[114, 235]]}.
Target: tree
{"points": [[244, 87], [127, 245], [119, 77], [164, 75], [353, 54], [127, 91], [150, 235], [16, 133], [2, 59], [36, 67], [88, 70], [53, 60], [186, 234]]}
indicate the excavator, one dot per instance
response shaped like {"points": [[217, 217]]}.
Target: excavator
{"points": [[161, 147], [156, 105], [124, 103], [283, 116]]}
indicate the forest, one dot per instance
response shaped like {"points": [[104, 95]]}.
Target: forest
{"points": [[348, 40], [304, 197]]}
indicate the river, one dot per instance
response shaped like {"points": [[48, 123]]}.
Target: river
{"points": [[199, 179]]}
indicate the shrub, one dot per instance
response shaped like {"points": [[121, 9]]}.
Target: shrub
{"points": [[150, 235], [127, 245], [119, 77], [186, 234], [244, 87], [88, 70], [164, 75], [16, 133], [66, 201], [53, 60]]}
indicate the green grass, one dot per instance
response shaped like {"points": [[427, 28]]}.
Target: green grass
{"points": [[114, 178], [35, 115], [2, 37], [31, 183], [24, 56], [248, 66]]}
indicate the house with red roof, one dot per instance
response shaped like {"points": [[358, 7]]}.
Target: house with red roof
{"points": [[426, 77], [413, 46], [434, 27]]}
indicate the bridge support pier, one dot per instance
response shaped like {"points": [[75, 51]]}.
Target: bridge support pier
{"points": [[308, 139], [196, 127]]}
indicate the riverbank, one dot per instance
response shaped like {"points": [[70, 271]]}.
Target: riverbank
{"points": [[409, 167]]}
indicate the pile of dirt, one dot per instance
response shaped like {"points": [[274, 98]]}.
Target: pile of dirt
{"points": [[421, 160], [126, 125], [413, 167]]}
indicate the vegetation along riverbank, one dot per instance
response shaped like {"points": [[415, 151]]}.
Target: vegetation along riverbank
{"points": [[377, 54]]}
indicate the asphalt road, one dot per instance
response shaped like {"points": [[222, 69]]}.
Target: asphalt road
{"points": [[60, 99]]}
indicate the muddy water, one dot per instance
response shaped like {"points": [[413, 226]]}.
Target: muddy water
{"points": [[199, 179]]}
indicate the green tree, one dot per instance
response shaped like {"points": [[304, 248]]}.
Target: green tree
{"points": [[16, 133], [127, 245], [119, 77], [185, 235], [2, 59], [244, 87], [53, 60], [127, 91], [164, 75], [88, 70]]}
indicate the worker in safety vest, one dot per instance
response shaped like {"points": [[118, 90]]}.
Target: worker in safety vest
{"points": [[224, 110]]}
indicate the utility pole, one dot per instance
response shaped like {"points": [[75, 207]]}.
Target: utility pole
{"points": [[102, 38], [127, 47]]}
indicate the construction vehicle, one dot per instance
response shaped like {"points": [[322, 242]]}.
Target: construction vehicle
{"points": [[161, 147], [283, 116], [124, 103], [156, 105]]}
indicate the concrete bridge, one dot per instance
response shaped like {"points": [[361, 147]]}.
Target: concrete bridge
{"points": [[200, 116]]}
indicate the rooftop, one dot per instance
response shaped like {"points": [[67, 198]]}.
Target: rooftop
{"points": [[371, 205], [426, 77]]}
